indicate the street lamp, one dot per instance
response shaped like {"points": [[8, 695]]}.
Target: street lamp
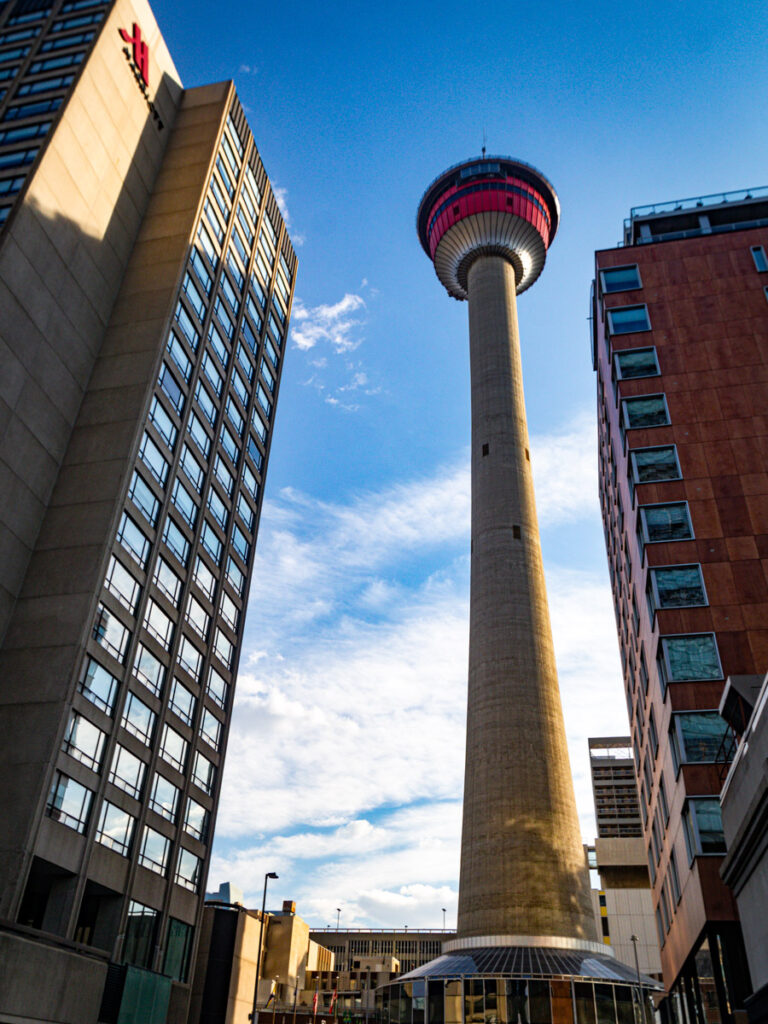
{"points": [[253, 1015], [634, 940], [338, 917], [443, 918]]}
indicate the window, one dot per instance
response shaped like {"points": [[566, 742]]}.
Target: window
{"points": [[198, 265], [250, 482], [84, 741], [178, 949], [140, 493], [644, 411], [213, 219], [190, 659], [689, 657], [258, 425], [166, 580], [674, 877], [187, 326], [162, 422], [149, 670], [182, 702], [251, 336], [115, 828], [225, 177], [246, 513], [636, 362], [268, 376], [217, 508], [122, 585], [210, 729], [228, 611], [138, 719], [758, 255], [24, 133], [238, 384], [204, 578], [666, 522], [65, 42], [240, 544], [140, 929], [164, 799], [221, 314], [153, 459], [206, 403], [223, 648], [196, 300], [213, 375], [676, 587], [110, 633], [69, 802], [703, 827], [188, 870], [697, 736], [99, 686], [154, 850], [235, 576], [197, 617], [628, 319], [196, 820], [184, 503], [192, 468], [171, 388], [158, 624], [285, 269], [663, 804], [217, 688], [653, 736], [17, 158], [180, 357], [127, 772], [211, 542], [133, 540], [235, 417], [173, 748], [203, 773], [44, 85], [208, 247], [269, 348], [264, 401], [223, 475], [9, 186], [198, 433], [650, 465], [218, 345], [229, 294], [176, 541]]}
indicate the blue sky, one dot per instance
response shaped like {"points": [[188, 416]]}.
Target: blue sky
{"points": [[345, 763]]}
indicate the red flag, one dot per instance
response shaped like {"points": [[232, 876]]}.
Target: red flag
{"points": [[333, 1002], [314, 1005]]}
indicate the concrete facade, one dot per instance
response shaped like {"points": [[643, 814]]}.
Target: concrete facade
{"points": [[127, 386], [522, 863], [680, 323]]}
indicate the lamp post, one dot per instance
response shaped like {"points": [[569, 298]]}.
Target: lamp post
{"points": [[253, 1015], [443, 918], [634, 940], [338, 917]]}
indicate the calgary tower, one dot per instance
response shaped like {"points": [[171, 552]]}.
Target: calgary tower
{"points": [[526, 943]]}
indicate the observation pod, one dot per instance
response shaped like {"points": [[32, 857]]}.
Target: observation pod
{"points": [[526, 944]]}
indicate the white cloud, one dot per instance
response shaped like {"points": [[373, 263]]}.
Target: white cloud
{"points": [[336, 323], [345, 761], [281, 198], [248, 69]]}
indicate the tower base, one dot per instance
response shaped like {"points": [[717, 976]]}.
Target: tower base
{"points": [[519, 984]]}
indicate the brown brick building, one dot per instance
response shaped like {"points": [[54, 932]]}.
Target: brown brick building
{"points": [[680, 346]]}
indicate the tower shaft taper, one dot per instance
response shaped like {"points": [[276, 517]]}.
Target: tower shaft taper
{"points": [[522, 862]]}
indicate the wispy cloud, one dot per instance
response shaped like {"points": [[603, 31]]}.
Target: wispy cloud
{"points": [[345, 762], [337, 323], [248, 69], [281, 198]]}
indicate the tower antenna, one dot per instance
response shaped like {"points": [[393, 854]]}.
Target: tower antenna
{"points": [[485, 139]]}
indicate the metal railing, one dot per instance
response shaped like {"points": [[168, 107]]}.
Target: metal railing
{"points": [[694, 202]]}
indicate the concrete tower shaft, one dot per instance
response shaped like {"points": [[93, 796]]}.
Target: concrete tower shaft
{"points": [[487, 225]]}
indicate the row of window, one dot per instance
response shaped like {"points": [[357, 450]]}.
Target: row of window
{"points": [[70, 803]]}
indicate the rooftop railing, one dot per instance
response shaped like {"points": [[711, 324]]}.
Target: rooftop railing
{"points": [[695, 202]]}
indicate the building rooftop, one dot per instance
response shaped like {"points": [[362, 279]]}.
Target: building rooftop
{"points": [[697, 215]]}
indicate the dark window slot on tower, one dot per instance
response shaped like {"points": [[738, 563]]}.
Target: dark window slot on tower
{"points": [[486, 449], [516, 532]]}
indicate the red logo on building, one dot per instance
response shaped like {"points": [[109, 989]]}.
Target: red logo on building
{"points": [[140, 51]]}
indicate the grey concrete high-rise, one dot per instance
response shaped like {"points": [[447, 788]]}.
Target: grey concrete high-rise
{"points": [[526, 945], [146, 279]]}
